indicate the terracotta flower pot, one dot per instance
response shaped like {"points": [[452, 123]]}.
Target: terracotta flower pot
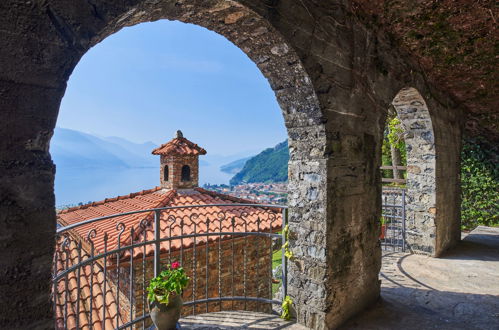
{"points": [[383, 232], [165, 317]]}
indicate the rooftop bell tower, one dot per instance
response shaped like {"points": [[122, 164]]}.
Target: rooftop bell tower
{"points": [[179, 163]]}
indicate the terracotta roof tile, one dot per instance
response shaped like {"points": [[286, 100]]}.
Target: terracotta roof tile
{"points": [[246, 218], [250, 219], [146, 199], [179, 146], [67, 293], [173, 222]]}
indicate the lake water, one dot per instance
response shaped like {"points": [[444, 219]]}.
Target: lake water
{"points": [[75, 185]]}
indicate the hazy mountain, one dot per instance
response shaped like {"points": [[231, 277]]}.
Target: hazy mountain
{"points": [[74, 149], [140, 149], [235, 166], [271, 165], [103, 167]]}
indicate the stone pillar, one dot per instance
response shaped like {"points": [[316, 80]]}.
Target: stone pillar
{"points": [[335, 204], [448, 144], [35, 62], [307, 187], [27, 214]]}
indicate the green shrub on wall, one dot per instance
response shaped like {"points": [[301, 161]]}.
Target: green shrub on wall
{"points": [[479, 185]]}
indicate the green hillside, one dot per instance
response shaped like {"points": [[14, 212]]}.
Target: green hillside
{"points": [[271, 165]]}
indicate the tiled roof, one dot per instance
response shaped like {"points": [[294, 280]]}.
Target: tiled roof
{"points": [[185, 221], [179, 146], [246, 218], [174, 222], [143, 200], [90, 276]]}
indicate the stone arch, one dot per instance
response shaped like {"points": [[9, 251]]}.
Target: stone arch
{"points": [[295, 94], [303, 118], [251, 33], [433, 144], [322, 63], [294, 91], [419, 137]]}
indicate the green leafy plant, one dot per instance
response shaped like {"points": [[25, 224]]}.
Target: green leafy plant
{"points": [[286, 308], [393, 137], [396, 133], [479, 184], [172, 280], [287, 252]]}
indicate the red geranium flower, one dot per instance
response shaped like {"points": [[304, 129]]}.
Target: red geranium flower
{"points": [[175, 265]]}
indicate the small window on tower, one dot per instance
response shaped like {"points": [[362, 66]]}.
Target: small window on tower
{"points": [[165, 173], [186, 173]]}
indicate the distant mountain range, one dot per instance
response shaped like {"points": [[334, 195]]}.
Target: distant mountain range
{"points": [[71, 149], [235, 166], [74, 149], [271, 165]]}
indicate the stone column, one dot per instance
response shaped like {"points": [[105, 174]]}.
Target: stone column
{"points": [[34, 65], [27, 214]]}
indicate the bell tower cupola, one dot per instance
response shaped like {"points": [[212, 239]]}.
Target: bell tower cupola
{"points": [[179, 163]]}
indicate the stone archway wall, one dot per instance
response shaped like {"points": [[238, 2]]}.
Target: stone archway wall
{"points": [[421, 170], [64, 34], [432, 212], [334, 78], [304, 121]]}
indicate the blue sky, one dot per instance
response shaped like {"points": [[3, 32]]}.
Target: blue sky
{"points": [[146, 81]]}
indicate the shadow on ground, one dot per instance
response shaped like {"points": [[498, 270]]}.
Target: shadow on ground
{"points": [[237, 320], [400, 308], [458, 291]]}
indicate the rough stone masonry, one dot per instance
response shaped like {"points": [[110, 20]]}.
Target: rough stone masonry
{"points": [[334, 78]]}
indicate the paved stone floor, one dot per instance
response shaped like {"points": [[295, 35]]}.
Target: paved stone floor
{"points": [[237, 320], [458, 291]]}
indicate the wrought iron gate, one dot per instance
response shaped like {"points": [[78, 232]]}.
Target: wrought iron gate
{"points": [[393, 219]]}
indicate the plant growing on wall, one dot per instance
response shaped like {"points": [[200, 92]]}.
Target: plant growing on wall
{"points": [[286, 308], [479, 185], [287, 302], [287, 252]]}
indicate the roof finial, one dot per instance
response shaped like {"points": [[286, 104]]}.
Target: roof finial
{"points": [[179, 134]]}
